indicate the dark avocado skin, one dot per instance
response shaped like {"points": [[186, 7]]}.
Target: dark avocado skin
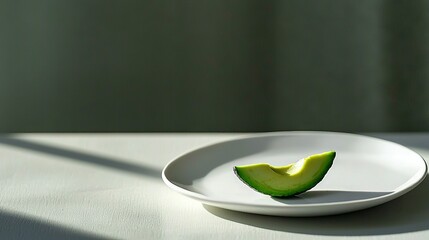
{"points": [[328, 158]]}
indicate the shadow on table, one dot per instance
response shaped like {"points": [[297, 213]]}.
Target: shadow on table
{"points": [[17, 226], [408, 213], [81, 157]]}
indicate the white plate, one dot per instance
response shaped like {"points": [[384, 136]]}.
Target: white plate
{"points": [[366, 172]]}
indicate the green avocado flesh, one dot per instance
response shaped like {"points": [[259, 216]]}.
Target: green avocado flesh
{"points": [[286, 180]]}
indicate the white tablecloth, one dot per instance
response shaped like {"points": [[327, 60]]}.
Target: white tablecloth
{"points": [[96, 186]]}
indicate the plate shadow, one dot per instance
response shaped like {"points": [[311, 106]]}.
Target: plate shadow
{"points": [[408, 213]]}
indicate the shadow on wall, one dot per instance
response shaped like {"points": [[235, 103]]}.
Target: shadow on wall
{"points": [[406, 62], [213, 66]]}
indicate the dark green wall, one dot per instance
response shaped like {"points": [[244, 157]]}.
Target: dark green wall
{"points": [[166, 65]]}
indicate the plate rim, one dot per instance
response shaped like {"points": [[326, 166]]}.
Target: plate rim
{"points": [[205, 199]]}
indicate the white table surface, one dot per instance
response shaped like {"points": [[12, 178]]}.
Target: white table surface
{"points": [[108, 186]]}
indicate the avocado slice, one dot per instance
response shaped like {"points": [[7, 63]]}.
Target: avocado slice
{"points": [[286, 180]]}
